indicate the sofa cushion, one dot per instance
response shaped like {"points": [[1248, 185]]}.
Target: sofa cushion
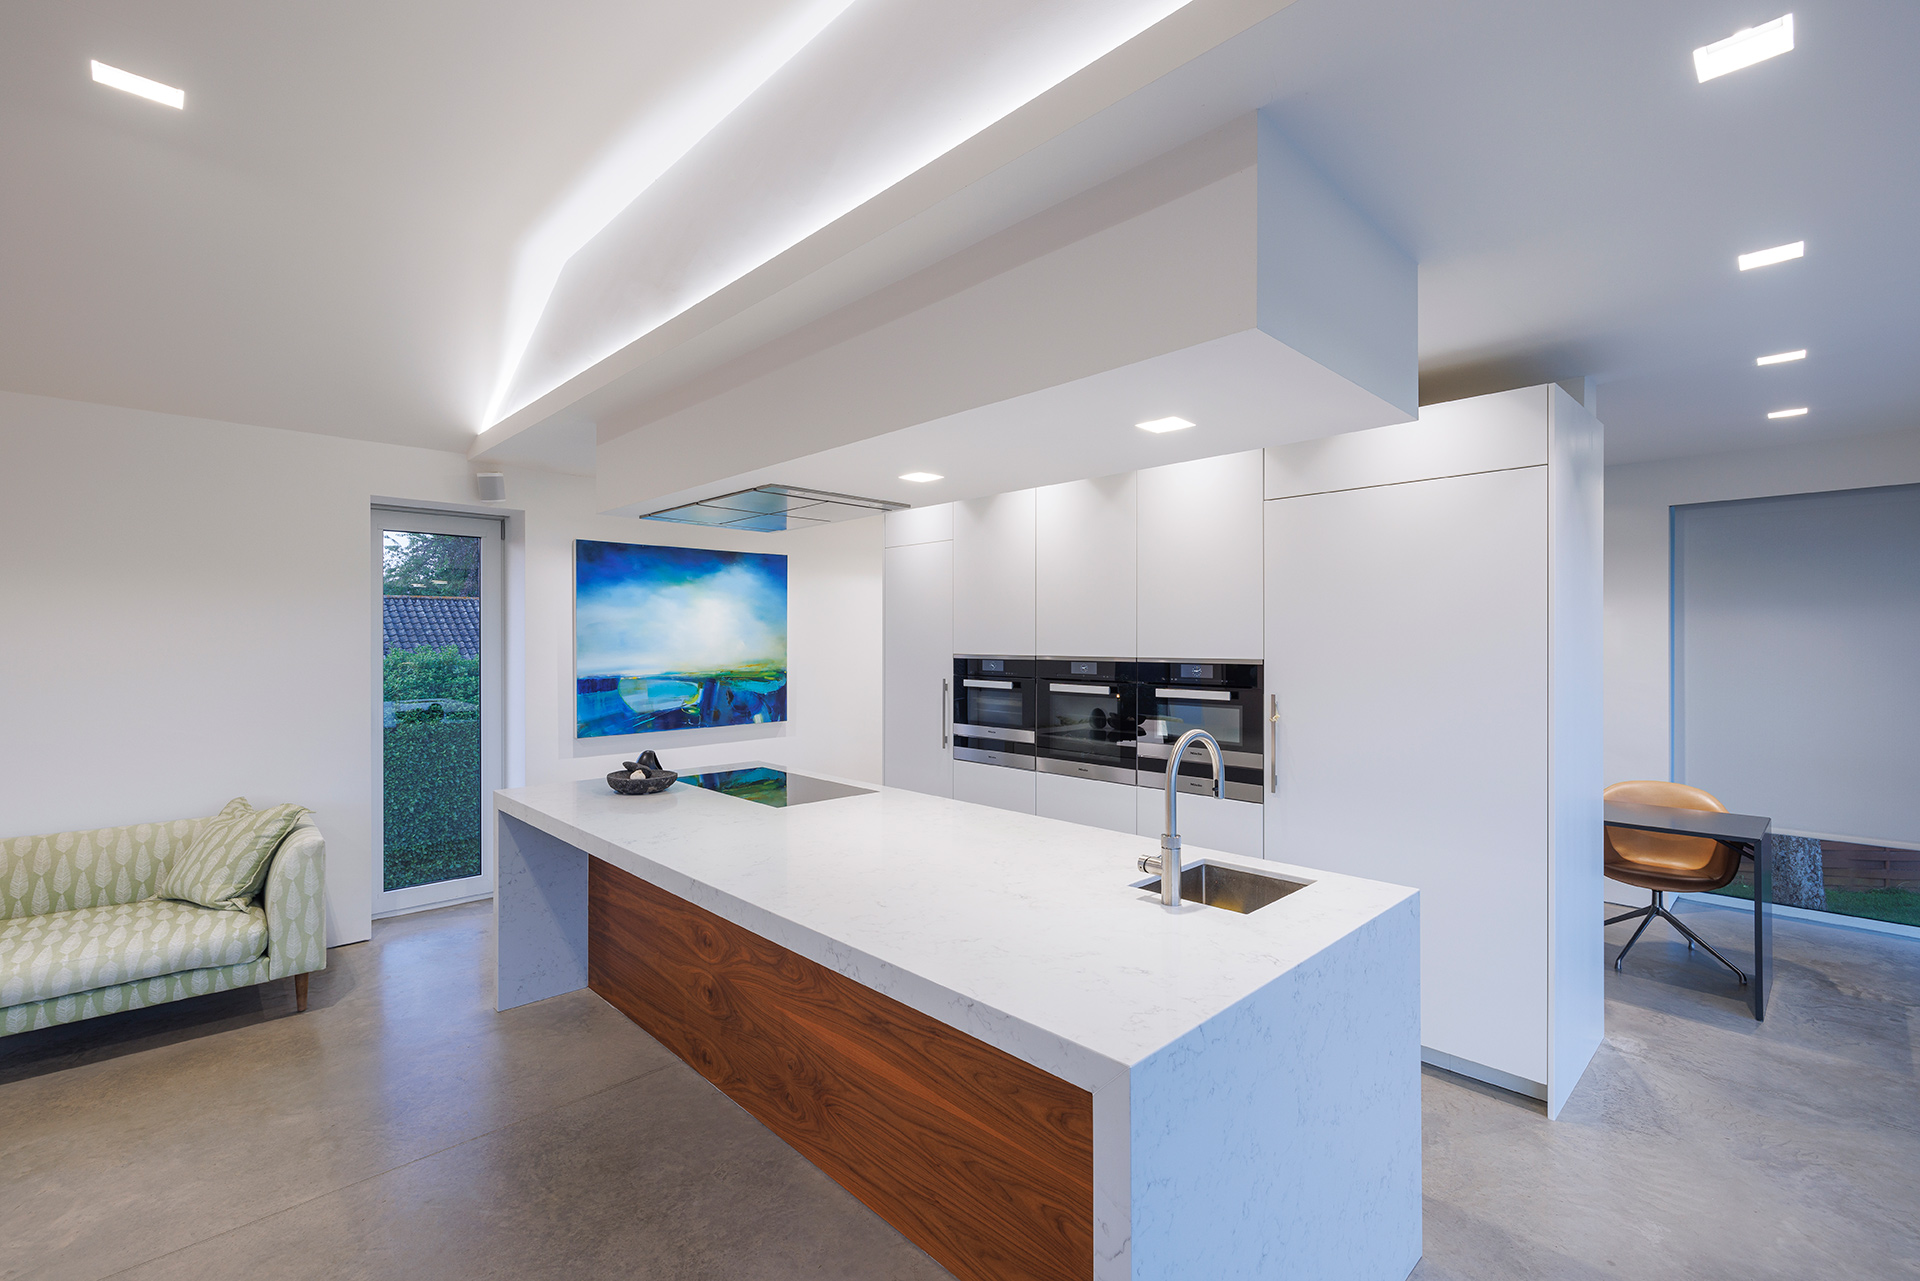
{"points": [[227, 863], [66, 952]]}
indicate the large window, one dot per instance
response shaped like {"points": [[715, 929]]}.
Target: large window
{"points": [[1796, 686]]}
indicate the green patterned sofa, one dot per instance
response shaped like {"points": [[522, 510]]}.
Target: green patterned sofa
{"points": [[84, 933]]}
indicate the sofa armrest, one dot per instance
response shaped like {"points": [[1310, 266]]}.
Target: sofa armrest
{"points": [[296, 897]]}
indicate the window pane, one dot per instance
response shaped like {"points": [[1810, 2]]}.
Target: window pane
{"points": [[430, 695]]}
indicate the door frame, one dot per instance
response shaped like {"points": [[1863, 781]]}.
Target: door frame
{"points": [[491, 530]]}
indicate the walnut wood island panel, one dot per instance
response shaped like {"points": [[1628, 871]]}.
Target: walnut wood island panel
{"points": [[979, 1025], [983, 1161]]}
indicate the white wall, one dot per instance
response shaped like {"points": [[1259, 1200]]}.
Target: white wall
{"points": [[1637, 620], [186, 610]]}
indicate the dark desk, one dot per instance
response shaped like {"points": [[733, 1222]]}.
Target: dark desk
{"points": [[1752, 836]]}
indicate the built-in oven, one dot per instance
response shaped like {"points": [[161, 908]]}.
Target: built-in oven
{"points": [[993, 710], [1222, 698], [1087, 725]]}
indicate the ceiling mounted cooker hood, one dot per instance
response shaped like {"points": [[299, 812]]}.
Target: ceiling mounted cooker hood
{"points": [[768, 508]]}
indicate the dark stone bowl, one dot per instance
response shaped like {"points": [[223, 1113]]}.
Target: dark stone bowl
{"points": [[659, 782]]}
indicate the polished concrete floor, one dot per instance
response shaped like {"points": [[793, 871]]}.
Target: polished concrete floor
{"points": [[400, 1128]]}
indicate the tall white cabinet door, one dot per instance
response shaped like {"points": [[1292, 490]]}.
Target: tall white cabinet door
{"points": [[1084, 568], [1200, 559], [917, 595], [993, 565], [1407, 649]]}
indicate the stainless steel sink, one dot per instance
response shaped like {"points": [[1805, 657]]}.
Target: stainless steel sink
{"points": [[1232, 888]]}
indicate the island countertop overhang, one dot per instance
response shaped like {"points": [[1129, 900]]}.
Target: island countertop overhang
{"points": [[1024, 932]]}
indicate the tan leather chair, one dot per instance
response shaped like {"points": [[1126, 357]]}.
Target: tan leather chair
{"points": [[1660, 861]]}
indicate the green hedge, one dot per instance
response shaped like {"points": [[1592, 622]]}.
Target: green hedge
{"points": [[412, 674], [433, 802]]}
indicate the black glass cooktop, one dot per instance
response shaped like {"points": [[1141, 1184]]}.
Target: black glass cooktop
{"points": [[765, 785]]}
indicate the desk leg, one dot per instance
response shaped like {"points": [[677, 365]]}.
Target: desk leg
{"points": [[1762, 923]]}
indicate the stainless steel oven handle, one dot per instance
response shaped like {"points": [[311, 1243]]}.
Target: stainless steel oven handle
{"points": [[1209, 695], [1079, 689], [1273, 757], [970, 683], [993, 731]]}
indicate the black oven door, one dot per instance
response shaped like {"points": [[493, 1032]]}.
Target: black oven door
{"points": [[1087, 725], [1222, 698], [993, 711]]}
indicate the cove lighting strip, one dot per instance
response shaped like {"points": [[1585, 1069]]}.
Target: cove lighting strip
{"points": [[1787, 413], [1744, 48], [1781, 358], [139, 86]]}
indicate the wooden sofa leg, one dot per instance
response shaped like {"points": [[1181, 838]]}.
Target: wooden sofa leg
{"points": [[300, 993]]}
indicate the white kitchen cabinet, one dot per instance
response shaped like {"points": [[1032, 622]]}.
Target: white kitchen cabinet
{"points": [[1436, 728], [1199, 559], [1091, 801], [1206, 822], [917, 661], [995, 785], [1084, 579], [920, 525], [993, 574]]}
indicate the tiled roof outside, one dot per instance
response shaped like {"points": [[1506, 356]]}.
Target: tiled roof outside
{"points": [[410, 622]]}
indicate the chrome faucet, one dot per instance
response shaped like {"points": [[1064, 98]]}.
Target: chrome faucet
{"points": [[1168, 864]]}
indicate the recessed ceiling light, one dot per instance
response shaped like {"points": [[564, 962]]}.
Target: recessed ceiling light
{"points": [[151, 90], [1744, 48], [1164, 425], [921, 477], [1788, 413], [1767, 257], [1781, 358]]}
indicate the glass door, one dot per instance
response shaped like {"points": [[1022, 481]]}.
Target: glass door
{"points": [[439, 707]]}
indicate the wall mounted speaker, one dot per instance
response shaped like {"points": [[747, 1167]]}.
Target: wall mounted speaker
{"points": [[491, 486]]}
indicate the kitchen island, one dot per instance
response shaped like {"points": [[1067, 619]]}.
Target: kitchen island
{"points": [[980, 1025]]}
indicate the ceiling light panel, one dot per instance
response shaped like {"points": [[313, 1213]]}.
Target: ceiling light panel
{"points": [[1788, 413], [1161, 425], [1781, 357], [140, 86], [1767, 257], [1744, 48], [921, 477]]}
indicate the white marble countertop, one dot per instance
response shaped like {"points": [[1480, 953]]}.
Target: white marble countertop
{"points": [[1024, 932]]}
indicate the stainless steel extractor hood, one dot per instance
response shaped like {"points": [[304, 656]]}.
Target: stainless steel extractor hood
{"points": [[774, 507]]}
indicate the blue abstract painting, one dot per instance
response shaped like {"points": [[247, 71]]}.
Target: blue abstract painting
{"points": [[677, 638]]}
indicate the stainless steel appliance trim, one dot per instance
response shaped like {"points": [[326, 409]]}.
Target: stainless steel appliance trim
{"points": [[1083, 769], [993, 731], [1191, 785], [1210, 695], [1160, 752], [971, 683], [1011, 760], [1079, 689]]}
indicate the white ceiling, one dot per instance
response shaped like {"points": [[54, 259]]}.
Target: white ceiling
{"points": [[327, 238], [323, 239]]}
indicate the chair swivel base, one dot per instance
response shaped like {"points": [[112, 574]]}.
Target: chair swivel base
{"points": [[1659, 908]]}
